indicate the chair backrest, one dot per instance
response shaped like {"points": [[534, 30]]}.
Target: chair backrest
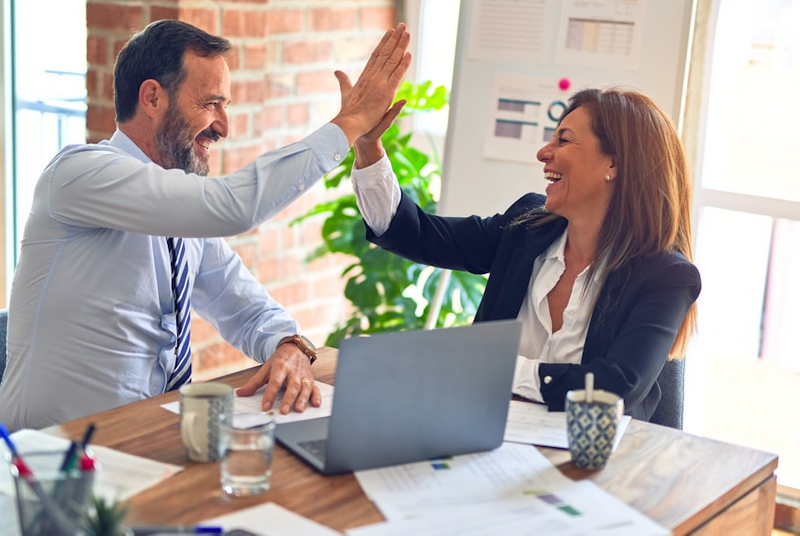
{"points": [[3, 330], [670, 409]]}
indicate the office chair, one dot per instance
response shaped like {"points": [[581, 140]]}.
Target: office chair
{"points": [[3, 330], [669, 411]]}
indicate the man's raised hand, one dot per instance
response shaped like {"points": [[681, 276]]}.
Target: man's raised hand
{"points": [[366, 103]]}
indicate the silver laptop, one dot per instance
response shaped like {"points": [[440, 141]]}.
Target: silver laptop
{"points": [[410, 396]]}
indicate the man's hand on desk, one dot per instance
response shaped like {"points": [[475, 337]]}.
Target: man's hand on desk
{"points": [[288, 367]]}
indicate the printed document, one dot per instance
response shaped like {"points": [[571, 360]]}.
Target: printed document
{"points": [[247, 410], [513, 486], [532, 423]]}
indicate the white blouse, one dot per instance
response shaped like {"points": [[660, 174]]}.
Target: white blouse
{"points": [[539, 344]]}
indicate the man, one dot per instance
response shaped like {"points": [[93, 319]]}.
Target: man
{"points": [[123, 237]]}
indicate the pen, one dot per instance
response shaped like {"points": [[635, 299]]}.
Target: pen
{"points": [[16, 460], [69, 457], [64, 485], [189, 529], [75, 456], [7, 438], [87, 467], [87, 436]]}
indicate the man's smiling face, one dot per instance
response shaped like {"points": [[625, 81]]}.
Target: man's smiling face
{"points": [[196, 116]]}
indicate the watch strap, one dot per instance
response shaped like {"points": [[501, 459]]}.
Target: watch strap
{"points": [[298, 340]]}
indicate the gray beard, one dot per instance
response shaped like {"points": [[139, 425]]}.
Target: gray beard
{"points": [[173, 154]]}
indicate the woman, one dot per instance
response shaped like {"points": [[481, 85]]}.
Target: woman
{"points": [[599, 271]]}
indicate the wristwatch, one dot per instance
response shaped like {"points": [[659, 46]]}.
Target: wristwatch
{"points": [[305, 345]]}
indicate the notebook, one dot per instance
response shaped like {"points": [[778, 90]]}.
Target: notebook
{"points": [[410, 396]]}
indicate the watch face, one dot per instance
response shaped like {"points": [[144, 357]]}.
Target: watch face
{"points": [[308, 343]]}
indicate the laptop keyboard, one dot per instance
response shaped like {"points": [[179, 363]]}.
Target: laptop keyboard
{"points": [[317, 447]]}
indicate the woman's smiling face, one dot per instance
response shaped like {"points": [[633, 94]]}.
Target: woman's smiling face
{"points": [[576, 169]]}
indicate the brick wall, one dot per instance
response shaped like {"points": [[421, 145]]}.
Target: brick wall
{"points": [[283, 87]]}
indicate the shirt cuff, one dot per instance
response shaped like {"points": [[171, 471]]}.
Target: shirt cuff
{"points": [[329, 144], [526, 379], [375, 175], [377, 194]]}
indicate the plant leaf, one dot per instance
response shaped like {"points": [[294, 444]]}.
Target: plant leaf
{"points": [[388, 292]]}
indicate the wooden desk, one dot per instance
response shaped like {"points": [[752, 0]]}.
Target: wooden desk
{"points": [[686, 483]]}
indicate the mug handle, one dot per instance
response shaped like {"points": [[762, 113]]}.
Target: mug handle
{"points": [[187, 425]]}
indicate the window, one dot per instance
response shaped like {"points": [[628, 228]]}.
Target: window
{"points": [[48, 92], [436, 27], [742, 372]]}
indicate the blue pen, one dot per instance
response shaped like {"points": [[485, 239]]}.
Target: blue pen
{"points": [[7, 438], [87, 436], [155, 529]]}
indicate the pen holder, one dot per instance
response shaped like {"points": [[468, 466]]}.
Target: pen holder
{"points": [[49, 500]]}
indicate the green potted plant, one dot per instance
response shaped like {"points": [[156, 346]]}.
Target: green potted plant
{"points": [[105, 517], [389, 293]]}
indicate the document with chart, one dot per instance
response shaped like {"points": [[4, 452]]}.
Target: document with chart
{"points": [[512, 486]]}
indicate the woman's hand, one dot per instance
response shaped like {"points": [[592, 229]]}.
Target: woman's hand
{"points": [[369, 148]]}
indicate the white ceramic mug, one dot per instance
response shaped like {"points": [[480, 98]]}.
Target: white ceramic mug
{"points": [[204, 408]]}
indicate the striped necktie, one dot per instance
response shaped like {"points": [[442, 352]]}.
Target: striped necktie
{"points": [[180, 290]]}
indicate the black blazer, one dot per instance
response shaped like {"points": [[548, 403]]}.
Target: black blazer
{"points": [[633, 324]]}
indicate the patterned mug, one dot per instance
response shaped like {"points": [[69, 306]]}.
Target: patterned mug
{"points": [[592, 427], [205, 407]]}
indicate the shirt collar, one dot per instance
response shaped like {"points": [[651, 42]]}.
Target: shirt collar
{"points": [[556, 251], [120, 140]]}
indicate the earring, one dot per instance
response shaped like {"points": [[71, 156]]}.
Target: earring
{"points": [[608, 178]]}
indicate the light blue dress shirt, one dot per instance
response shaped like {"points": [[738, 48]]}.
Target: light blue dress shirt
{"points": [[91, 314]]}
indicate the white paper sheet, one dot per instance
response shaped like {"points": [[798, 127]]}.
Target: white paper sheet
{"points": [[502, 518], [412, 490], [247, 410], [533, 424], [600, 513], [524, 112], [119, 477], [9, 525], [270, 519], [510, 30], [514, 487], [567, 509], [603, 34]]}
